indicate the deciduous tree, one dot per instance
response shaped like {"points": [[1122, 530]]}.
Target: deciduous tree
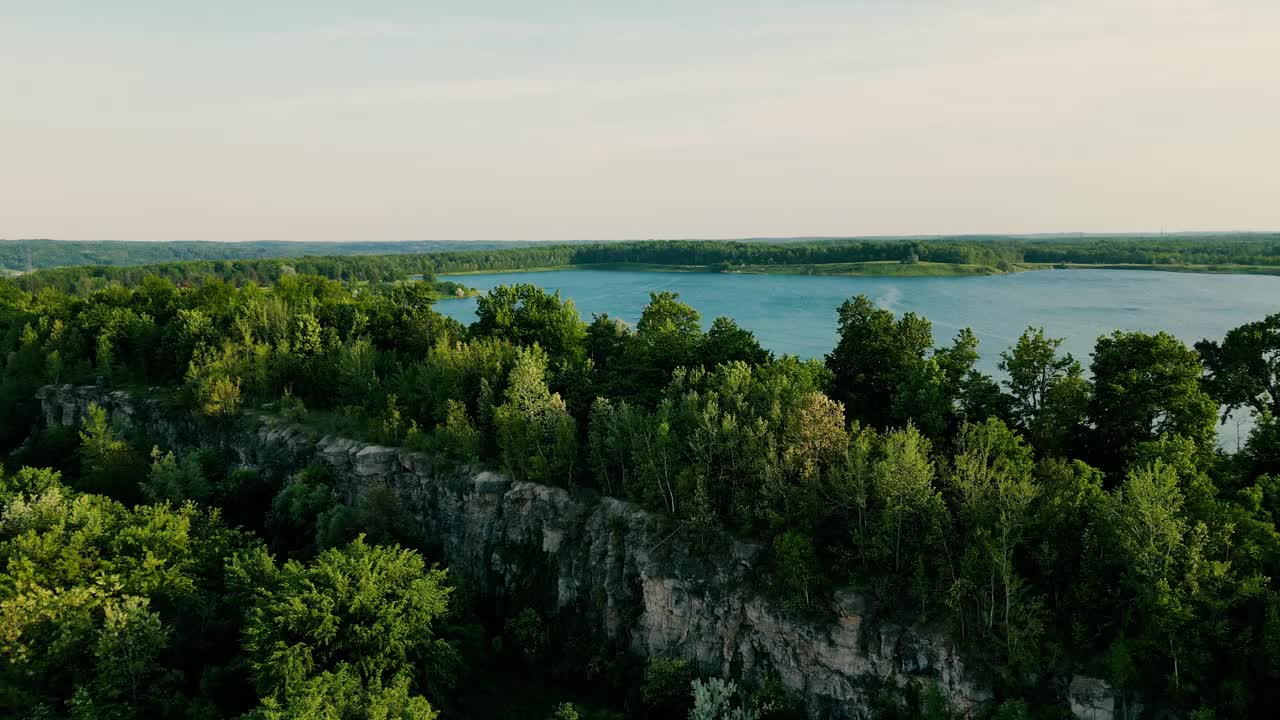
{"points": [[1146, 386], [876, 352]]}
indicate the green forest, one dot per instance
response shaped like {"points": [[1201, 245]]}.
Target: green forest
{"points": [[73, 267], [26, 255], [1063, 519]]}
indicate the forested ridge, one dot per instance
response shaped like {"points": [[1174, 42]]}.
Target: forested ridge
{"points": [[1057, 522], [24, 255], [234, 263]]}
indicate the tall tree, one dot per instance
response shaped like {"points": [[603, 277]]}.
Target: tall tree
{"points": [[666, 316], [109, 465], [815, 444], [668, 336], [536, 434], [1033, 366], [1035, 371], [727, 342], [364, 614], [911, 510], [607, 341], [1069, 503], [1244, 369], [526, 315], [940, 393], [875, 354], [1149, 532], [1146, 386], [993, 489]]}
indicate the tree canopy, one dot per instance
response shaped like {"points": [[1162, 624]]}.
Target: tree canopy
{"points": [[1057, 519]]}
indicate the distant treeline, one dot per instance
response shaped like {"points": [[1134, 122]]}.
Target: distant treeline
{"points": [[358, 268], [1207, 250], [1242, 249], [23, 255]]}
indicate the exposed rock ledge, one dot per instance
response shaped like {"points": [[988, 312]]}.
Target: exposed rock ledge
{"points": [[607, 560]]}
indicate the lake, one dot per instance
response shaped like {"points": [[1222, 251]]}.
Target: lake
{"points": [[797, 313]]}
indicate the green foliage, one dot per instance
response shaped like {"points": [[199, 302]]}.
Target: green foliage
{"points": [[378, 515], [664, 688], [359, 617], [815, 440], [218, 396], [1012, 710], [613, 431], [357, 373], [726, 342], [126, 653], [296, 511], [103, 610], [109, 612], [1065, 523], [343, 695], [471, 373], [668, 336], [108, 464], [527, 635], [934, 705], [456, 439], [1146, 386], [175, 482], [56, 447], [993, 490], [608, 343], [876, 353], [1149, 533], [536, 434], [911, 512], [28, 482], [1244, 369], [565, 711], [740, 446], [393, 427], [387, 261], [717, 699], [527, 315], [1045, 388], [244, 497], [796, 566], [291, 407], [29, 363]]}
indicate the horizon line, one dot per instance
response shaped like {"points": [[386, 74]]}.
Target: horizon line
{"points": [[736, 238]]}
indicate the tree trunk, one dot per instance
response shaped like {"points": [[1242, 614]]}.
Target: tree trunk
{"points": [[897, 546]]}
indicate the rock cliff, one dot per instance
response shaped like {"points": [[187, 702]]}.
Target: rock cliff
{"points": [[629, 573]]}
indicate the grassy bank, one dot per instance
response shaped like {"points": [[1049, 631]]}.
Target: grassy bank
{"points": [[638, 267], [873, 269], [888, 269], [1219, 269], [870, 269]]}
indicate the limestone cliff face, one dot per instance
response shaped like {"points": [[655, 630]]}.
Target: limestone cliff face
{"points": [[630, 573]]}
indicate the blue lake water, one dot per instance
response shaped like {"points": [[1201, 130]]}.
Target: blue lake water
{"points": [[797, 313]]}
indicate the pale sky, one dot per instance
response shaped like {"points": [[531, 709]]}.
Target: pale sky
{"points": [[589, 119]]}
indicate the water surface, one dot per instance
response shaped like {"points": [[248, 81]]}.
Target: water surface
{"points": [[797, 313]]}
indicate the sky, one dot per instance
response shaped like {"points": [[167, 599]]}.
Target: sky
{"points": [[592, 119]]}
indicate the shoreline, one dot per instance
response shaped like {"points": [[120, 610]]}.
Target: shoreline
{"points": [[885, 269]]}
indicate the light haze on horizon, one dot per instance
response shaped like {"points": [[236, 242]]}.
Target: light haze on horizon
{"points": [[384, 120]]}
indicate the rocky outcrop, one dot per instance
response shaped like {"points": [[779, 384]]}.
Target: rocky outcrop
{"points": [[634, 576]]}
